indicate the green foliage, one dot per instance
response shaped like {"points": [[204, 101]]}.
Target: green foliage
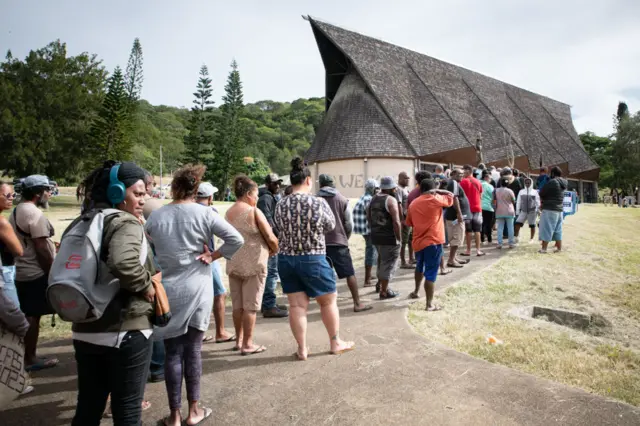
{"points": [[110, 132], [47, 104], [626, 154], [600, 149], [133, 76], [256, 169], [230, 147], [199, 142]]}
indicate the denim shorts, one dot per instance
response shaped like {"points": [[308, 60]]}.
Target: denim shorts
{"points": [[428, 261], [550, 226], [311, 274], [218, 287]]}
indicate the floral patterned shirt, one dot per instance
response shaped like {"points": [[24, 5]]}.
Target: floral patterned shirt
{"points": [[303, 219]]}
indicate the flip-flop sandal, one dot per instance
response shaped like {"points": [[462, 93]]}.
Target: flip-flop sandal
{"points": [[369, 285], [465, 254], [413, 295], [207, 414], [446, 272], [299, 357], [207, 339], [464, 261], [365, 308], [230, 339], [235, 349], [434, 308], [390, 295], [481, 254], [42, 364], [27, 390], [542, 251], [146, 405], [454, 265], [341, 351], [257, 350]]}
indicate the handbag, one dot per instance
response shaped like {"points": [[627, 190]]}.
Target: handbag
{"points": [[13, 378], [162, 310]]}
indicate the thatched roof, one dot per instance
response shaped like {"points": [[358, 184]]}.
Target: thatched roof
{"points": [[387, 101]]}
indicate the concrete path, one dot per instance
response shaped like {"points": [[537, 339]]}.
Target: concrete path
{"points": [[393, 377]]}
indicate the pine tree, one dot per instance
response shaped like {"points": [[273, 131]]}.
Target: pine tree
{"points": [[198, 143], [110, 130], [134, 76], [228, 155]]}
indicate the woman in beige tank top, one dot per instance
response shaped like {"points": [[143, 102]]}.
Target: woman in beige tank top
{"points": [[247, 270]]}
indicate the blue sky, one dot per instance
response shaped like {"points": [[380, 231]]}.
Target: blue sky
{"points": [[584, 53]]}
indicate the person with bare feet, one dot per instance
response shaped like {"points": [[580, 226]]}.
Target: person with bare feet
{"points": [[361, 226], [337, 240], [248, 269], [303, 221], [179, 232], [384, 215], [455, 217], [206, 192], [426, 217], [473, 224]]}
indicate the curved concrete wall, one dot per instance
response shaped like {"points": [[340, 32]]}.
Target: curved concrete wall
{"points": [[350, 175]]}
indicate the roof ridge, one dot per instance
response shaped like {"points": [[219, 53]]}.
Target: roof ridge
{"points": [[440, 105]]}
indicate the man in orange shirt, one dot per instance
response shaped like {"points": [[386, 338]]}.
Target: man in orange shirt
{"points": [[425, 215]]}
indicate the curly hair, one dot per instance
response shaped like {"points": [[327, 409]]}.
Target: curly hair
{"points": [[242, 185], [299, 171], [186, 181]]}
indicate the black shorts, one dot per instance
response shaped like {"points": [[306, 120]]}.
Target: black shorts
{"points": [[33, 297], [340, 258], [474, 224]]}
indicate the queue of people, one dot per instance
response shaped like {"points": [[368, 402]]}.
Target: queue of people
{"points": [[301, 240]]}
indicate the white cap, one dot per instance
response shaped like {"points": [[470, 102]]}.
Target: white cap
{"points": [[206, 190]]}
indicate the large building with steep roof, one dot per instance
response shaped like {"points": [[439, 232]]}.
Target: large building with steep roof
{"points": [[389, 109]]}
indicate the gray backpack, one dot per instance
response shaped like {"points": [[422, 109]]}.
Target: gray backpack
{"points": [[80, 283]]}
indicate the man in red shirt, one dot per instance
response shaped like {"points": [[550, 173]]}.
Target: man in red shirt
{"points": [[426, 216], [473, 225]]}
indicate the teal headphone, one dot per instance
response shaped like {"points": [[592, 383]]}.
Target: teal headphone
{"points": [[116, 190]]}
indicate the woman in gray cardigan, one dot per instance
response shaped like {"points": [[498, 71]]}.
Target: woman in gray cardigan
{"points": [[179, 232]]}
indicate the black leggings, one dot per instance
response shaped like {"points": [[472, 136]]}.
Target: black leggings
{"points": [[487, 224]]}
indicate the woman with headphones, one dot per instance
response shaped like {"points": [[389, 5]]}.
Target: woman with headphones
{"points": [[112, 353]]}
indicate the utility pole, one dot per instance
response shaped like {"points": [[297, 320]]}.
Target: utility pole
{"points": [[161, 189]]}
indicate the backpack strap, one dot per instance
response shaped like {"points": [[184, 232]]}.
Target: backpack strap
{"points": [[15, 222]]}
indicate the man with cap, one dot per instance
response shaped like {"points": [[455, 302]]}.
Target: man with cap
{"points": [[32, 269], [361, 226], [386, 233], [337, 240], [267, 204]]}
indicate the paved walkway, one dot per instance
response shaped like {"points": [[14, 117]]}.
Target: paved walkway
{"points": [[394, 377]]}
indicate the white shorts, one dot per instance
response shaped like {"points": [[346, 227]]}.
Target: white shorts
{"points": [[529, 217]]}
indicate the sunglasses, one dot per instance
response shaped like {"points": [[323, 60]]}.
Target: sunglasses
{"points": [[10, 195]]}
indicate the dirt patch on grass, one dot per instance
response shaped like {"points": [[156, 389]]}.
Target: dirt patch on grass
{"points": [[599, 274]]}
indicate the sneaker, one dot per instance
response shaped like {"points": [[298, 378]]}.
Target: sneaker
{"points": [[275, 312], [390, 294]]}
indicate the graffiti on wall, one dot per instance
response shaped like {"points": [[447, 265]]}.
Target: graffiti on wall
{"points": [[352, 180]]}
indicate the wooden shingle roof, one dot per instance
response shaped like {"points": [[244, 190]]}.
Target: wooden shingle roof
{"points": [[425, 106]]}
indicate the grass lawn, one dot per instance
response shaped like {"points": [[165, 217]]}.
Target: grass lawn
{"points": [[599, 272]]}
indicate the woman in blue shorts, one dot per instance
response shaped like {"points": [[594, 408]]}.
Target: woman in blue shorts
{"points": [[305, 273]]}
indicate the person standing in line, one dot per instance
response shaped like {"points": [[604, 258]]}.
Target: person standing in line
{"points": [[455, 217], [247, 270], [426, 217], [488, 214], [527, 207], [112, 353], [495, 176], [505, 212], [303, 220], [551, 198], [337, 240], [204, 196], [473, 225], [32, 269], [438, 175], [402, 194], [179, 232], [384, 215], [10, 246], [361, 226], [267, 205], [542, 179]]}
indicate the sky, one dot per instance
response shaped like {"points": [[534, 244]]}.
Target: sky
{"points": [[585, 53]]}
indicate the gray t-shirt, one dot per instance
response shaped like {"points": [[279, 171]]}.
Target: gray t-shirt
{"points": [[178, 233]]}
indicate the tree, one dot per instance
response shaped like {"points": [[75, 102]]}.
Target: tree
{"points": [[229, 152], [47, 104], [133, 76], [600, 149], [626, 154], [199, 142], [256, 169], [110, 132]]}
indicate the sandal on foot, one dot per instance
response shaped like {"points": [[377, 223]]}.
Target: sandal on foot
{"points": [[42, 364], [390, 294], [207, 339], [414, 295], [445, 271], [464, 261], [434, 308], [542, 251], [207, 414], [350, 346], [364, 308], [299, 357], [454, 265], [481, 253], [229, 339], [257, 350], [465, 254]]}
